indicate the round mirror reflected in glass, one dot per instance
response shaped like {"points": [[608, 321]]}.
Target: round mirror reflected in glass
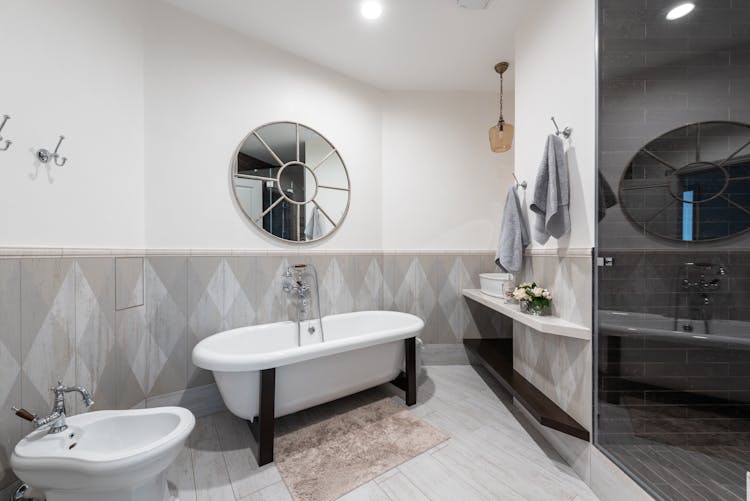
{"points": [[692, 183], [291, 182]]}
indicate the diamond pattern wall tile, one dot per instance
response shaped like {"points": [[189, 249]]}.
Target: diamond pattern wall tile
{"points": [[240, 291], [128, 282], [166, 313], [47, 329], [425, 271], [132, 353], [335, 287], [10, 363], [205, 279], [322, 263], [401, 283], [272, 302], [367, 285], [95, 332]]}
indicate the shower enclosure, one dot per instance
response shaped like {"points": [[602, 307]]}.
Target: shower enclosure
{"points": [[673, 276]]}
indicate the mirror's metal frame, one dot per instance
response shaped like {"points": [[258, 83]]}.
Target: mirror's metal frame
{"points": [[642, 225], [258, 223]]}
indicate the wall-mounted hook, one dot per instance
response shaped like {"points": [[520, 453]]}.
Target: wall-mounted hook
{"points": [[7, 142], [522, 184], [566, 132], [45, 156]]}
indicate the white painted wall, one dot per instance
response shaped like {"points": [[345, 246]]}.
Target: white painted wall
{"points": [[154, 102], [556, 75], [72, 68], [443, 188], [206, 88]]}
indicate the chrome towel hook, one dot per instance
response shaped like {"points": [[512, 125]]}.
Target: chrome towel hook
{"points": [[7, 142], [566, 132], [45, 156]]}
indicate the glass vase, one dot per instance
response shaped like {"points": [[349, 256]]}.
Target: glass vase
{"points": [[536, 309]]}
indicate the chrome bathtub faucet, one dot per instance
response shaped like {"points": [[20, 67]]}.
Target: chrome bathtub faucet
{"points": [[296, 283], [56, 419]]}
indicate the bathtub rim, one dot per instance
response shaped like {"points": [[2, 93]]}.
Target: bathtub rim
{"points": [[207, 359]]}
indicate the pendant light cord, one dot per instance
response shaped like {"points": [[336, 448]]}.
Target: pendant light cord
{"points": [[501, 121]]}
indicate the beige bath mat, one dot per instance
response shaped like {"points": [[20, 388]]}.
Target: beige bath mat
{"points": [[323, 461]]}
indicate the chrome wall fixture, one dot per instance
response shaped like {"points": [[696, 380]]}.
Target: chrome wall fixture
{"points": [[522, 184], [566, 132], [45, 156], [7, 142]]}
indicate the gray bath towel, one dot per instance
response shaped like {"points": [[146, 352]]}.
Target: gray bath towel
{"points": [[514, 236], [552, 190]]}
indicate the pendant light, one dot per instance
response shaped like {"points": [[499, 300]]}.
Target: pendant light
{"points": [[501, 135]]}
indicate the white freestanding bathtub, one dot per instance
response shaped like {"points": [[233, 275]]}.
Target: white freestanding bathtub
{"points": [[359, 350]]}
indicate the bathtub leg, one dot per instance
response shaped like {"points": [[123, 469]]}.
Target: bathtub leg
{"points": [[262, 426], [411, 370], [407, 380]]}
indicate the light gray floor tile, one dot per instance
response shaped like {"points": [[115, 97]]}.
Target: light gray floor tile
{"points": [[491, 454], [274, 492], [180, 477], [211, 475], [370, 491], [399, 488], [236, 444]]}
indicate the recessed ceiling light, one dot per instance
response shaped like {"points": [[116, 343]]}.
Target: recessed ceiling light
{"points": [[680, 10], [371, 9]]}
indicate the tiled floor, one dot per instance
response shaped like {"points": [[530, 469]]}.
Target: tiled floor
{"points": [[698, 474], [491, 455]]}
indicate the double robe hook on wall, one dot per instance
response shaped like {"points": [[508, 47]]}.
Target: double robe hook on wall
{"points": [[6, 141], [45, 156]]}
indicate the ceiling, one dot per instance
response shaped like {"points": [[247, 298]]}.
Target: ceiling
{"points": [[415, 45]]}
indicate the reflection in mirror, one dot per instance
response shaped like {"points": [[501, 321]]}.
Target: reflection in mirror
{"points": [[692, 183], [291, 182]]}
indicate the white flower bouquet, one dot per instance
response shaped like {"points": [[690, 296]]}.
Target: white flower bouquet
{"points": [[533, 298]]}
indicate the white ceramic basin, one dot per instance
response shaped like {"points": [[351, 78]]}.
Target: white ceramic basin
{"points": [[105, 455]]}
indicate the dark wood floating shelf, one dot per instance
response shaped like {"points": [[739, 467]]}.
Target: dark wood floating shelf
{"points": [[497, 356]]}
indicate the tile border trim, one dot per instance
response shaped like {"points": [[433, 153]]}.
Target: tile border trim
{"points": [[60, 252]]}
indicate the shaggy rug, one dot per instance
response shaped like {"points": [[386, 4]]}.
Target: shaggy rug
{"points": [[323, 461]]}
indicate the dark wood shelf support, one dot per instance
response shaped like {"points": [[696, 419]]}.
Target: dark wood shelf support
{"points": [[496, 355]]}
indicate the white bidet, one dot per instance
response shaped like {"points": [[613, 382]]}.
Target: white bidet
{"points": [[105, 455]]}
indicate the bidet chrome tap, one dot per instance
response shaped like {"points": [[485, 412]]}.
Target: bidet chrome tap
{"points": [[56, 419]]}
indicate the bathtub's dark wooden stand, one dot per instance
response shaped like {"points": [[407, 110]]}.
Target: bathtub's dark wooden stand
{"points": [[407, 380], [262, 426]]}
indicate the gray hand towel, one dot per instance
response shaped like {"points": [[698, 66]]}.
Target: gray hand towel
{"points": [[514, 237], [552, 189]]}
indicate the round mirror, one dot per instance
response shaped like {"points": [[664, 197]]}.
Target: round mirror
{"points": [[692, 183], [291, 182]]}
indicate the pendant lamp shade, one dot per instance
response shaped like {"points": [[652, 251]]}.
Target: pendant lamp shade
{"points": [[501, 137], [501, 134]]}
